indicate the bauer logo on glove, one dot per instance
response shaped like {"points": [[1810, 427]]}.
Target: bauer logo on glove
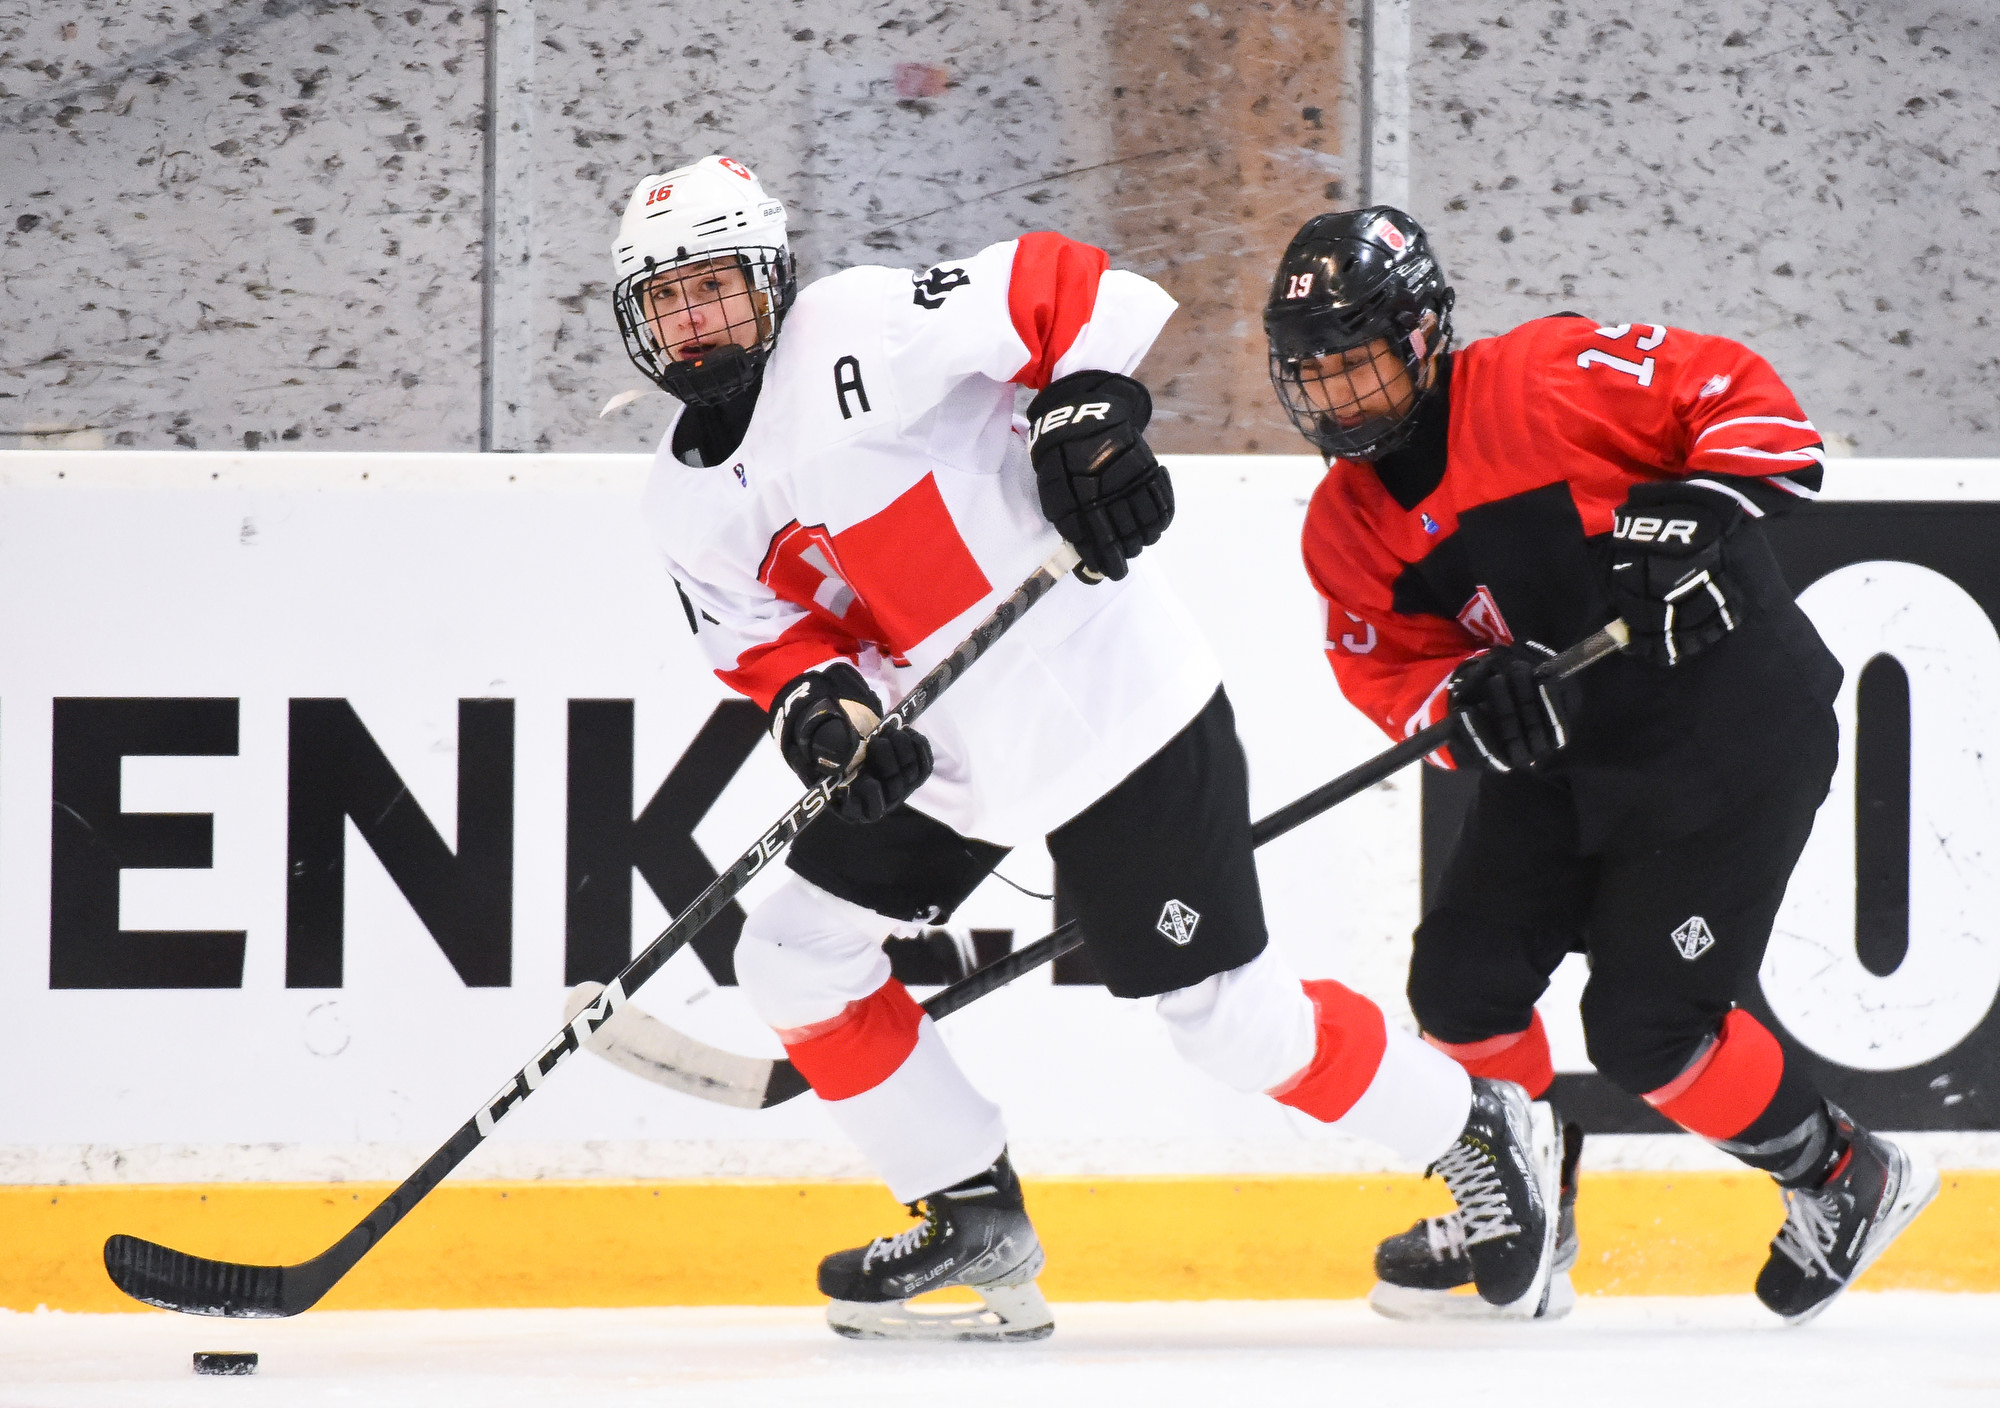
{"points": [[1667, 575], [828, 722], [1097, 478]]}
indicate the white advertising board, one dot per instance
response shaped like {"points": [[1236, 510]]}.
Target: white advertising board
{"points": [[289, 747]]}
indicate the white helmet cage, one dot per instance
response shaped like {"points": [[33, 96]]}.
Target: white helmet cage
{"points": [[709, 214]]}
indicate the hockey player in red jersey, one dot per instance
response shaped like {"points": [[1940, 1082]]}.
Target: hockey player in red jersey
{"points": [[845, 489], [1486, 507]]}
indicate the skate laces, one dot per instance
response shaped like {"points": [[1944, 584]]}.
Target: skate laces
{"points": [[1811, 1223], [1469, 1170], [904, 1243], [1446, 1235]]}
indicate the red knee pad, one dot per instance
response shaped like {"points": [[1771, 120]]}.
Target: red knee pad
{"points": [[1351, 1040], [1729, 1085], [1522, 1057], [859, 1049]]}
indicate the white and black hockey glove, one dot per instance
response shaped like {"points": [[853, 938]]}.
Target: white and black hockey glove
{"points": [[1666, 570], [1510, 720], [826, 721], [1099, 483]]}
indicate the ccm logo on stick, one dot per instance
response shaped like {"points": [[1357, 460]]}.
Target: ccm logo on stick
{"points": [[1065, 415], [1655, 530]]}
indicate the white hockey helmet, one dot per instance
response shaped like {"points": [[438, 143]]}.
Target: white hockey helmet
{"points": [[712, 210]]}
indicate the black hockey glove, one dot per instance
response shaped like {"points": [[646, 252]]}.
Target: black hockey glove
{"points": [[822, 723], [1100, 485], [1510, 719], [1667, 577]]}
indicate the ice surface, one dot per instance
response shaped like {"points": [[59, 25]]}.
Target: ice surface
{"points": [[1917, 1350]]}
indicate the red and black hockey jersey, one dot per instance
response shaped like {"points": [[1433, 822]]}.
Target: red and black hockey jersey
{"points": [[1490, 526]]}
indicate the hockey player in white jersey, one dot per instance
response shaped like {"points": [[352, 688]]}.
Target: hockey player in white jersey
{"points": [[844, 492]]}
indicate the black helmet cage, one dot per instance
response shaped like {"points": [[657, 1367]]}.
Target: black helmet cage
{"points": [[729, 370], [1347, 280]]}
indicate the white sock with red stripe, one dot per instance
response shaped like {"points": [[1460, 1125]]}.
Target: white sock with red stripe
{"points": [[924, 1126], [813, 967], [1323, 1049], [1250, 1027]]}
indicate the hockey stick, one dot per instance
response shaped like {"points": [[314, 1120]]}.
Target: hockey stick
{"points": [[636, 1041], [196, 1285]]}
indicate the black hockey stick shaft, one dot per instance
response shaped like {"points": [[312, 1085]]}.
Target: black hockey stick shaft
{"points": [[1354, 781], [175, 1280]]}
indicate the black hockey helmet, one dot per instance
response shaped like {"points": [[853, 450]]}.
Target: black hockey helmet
{"points": [[1346, 280]]}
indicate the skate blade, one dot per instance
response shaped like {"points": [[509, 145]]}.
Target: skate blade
{"points": [[1010, 1314], [1917, 1184], [1408, 1303]]}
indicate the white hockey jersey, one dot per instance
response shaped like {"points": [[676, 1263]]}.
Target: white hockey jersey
{"points": [[882, 502]]}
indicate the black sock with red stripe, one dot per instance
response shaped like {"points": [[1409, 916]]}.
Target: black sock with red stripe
{"points": [[1743, 1095]]}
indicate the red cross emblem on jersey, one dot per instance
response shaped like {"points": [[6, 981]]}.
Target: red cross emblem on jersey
{"points": [[1481, 617]]}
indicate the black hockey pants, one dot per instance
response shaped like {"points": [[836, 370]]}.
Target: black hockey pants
{"points": [[1674, 932]]}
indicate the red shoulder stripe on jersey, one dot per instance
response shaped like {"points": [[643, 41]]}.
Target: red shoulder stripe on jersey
{"points": [[1051, 294]]}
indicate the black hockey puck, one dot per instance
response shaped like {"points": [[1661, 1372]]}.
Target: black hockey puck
{"points": [[225, 1363]]}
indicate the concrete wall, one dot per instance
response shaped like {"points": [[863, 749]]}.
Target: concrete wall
{"points": [[1821, 181], [241, 225], [266, 222]]}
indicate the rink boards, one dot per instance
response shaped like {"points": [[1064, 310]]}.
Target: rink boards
{"points": [[291, 757]]}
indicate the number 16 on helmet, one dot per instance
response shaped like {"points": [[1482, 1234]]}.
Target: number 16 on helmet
{"points": [[703, 277]]}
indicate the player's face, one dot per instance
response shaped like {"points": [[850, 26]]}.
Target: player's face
{"points": [[696, 308], [1358, 384]]}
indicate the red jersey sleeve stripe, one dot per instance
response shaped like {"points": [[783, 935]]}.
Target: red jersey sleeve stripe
{"points": [[763, 670], [1050, 296]]}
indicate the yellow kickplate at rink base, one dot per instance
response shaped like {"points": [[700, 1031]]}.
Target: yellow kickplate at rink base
{"points": [[756, 1242]]}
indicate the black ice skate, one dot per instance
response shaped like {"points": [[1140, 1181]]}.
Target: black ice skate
{"points": [[1425, 1274], [974, 1234], [1505, 1171], [1833, 1232]]}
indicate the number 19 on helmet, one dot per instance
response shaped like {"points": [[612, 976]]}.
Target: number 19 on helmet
{"points": [[1357, 316]]}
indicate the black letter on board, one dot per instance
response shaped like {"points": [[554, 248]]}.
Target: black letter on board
{"points": [[91, 839], [465, 899], [606, 843]]}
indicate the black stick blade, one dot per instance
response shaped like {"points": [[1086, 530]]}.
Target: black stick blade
{"points": [[194, 1285]]}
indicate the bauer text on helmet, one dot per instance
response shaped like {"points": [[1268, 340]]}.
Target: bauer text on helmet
{"points": [[1358, 315], [702, 279]]}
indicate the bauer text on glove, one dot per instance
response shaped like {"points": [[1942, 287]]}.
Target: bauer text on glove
{"points": [[1667, 575], [1099, 483], [827, 722]]}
